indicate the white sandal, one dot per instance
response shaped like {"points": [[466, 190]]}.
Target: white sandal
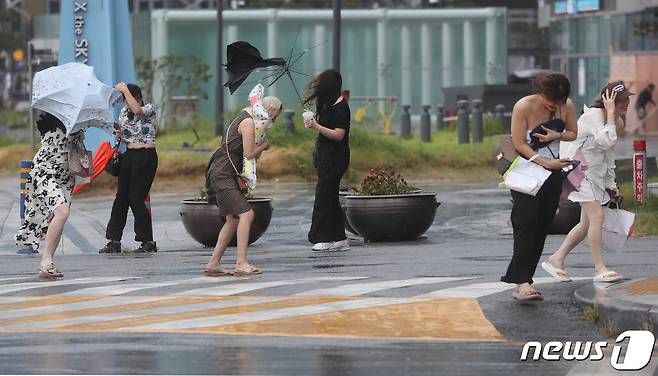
{"points": [[555, 272], [608, 277]]}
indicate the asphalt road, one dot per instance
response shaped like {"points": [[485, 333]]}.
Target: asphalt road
{"points": [[428, 307]]}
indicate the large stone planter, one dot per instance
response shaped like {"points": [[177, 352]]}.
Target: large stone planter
{"points": [[568, 216], [391, 217], [203, 223], [342, 200]]}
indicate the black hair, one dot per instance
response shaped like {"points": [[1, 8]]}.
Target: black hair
{"points": [[554, 86], [135, 90], [324, 90], [47, 123], [651, 86]]}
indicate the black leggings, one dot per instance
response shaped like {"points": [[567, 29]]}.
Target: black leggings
{"points": [[138, 168], [531, 218]]}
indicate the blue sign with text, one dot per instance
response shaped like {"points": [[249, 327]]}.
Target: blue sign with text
{"points": [[98, 33]]}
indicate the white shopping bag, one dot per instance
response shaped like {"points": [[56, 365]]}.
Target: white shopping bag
{"points": [[617, 225], [525, 176]]}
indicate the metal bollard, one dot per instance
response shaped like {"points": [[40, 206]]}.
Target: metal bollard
{"points": [[405, 122], [425, 125], [288, 123], [439, 118], [462, 121], [500, 116], [478, 126], [25, 168]]}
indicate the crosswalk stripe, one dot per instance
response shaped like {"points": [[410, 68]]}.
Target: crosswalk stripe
{"points": [[239, 288], [478, 290], [14, 287], [112, 290], [217, 321], [356, 289], [8, 303], [225, 306], [55, 307], [170, 306]]}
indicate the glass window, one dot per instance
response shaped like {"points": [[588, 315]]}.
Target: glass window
{"points": [[53, 7], [143, 6], [158, 4]]}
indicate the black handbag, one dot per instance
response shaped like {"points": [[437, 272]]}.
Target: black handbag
{"points": [[113, 166]]}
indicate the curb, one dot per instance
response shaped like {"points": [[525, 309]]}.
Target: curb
{"points": [[625, 314]]}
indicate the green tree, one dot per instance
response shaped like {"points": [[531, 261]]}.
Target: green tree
{"points": [[176, 73]]}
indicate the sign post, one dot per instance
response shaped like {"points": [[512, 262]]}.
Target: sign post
{"points": [[640, 170]]}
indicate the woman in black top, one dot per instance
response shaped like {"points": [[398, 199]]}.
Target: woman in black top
{"points": [[331, 159], [539, 122]]}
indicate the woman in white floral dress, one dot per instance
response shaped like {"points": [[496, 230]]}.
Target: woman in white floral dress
{"points": [[48, 193]]}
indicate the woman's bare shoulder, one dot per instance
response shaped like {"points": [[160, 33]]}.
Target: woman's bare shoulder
{"points": [[525, 104]]}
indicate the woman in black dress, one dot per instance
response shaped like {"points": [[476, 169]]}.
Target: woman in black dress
{"points": [[224, 167], [331, 159]]}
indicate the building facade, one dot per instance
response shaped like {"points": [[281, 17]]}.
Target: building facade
{"points": [[595, 41]]}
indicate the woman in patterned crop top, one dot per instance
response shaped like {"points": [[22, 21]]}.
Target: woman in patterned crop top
{"points": [[136, 128]]}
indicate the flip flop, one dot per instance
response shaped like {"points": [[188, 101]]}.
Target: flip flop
{"points": [[555, 272], [49, 272], [530, 295], [253, 271], [217, 272], [610, 276]]}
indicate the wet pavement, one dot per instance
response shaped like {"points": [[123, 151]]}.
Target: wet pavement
{"points": [[432, 306]]}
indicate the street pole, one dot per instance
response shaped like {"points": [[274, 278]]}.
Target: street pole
{"points": [[336, 35], [219, 89], [31, 110]]}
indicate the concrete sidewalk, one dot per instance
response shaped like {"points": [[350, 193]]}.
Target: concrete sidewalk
{"points": [[630, 305]]}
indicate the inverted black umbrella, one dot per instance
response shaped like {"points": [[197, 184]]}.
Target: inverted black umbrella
{"points": [[243, 58]]}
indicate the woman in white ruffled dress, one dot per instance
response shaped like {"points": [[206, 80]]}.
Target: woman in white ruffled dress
{"points": [[598, 128]]}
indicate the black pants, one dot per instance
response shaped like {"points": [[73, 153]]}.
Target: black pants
{"points": [[531, 218], [327, 224], [138, 168]]}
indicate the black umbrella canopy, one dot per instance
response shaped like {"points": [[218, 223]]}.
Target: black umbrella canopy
{"points": [[242, 59]]}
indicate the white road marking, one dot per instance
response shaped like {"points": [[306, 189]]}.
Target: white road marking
{"points": [[272, 314], [177, 309], [68, 307], [4, 289], [239, 288], [356, 289], [478, 290], [112, 290]]}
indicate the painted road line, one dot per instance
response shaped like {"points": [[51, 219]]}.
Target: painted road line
{"points": [[15, 279], [235, 305], [16, 299], [169, 306], [113, 290], [215, 320], [239, 288], [31, 302], [14, 287], [428, 319], [357, 289], [55, 307], [478, 290]]}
